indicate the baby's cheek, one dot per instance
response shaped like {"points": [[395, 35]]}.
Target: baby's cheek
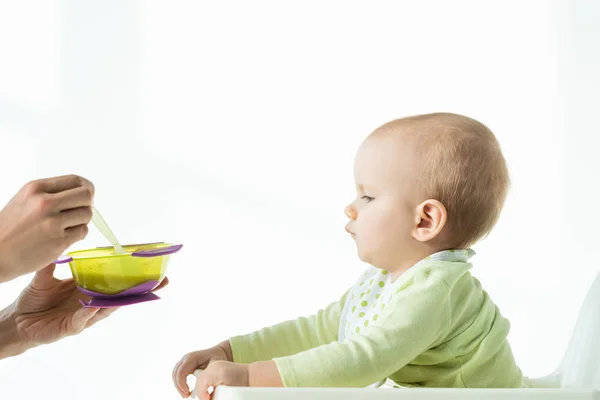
{"points": [[376, 235], [383, 225], [374, 226], [391, 234]]}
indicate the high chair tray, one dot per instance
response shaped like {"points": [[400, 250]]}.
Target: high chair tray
{"points": [[236, 393]]}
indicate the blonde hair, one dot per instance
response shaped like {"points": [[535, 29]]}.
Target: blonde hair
{"points": [[463, 168]]}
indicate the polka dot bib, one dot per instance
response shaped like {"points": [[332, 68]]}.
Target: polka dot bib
{"points": [[373, 291]]}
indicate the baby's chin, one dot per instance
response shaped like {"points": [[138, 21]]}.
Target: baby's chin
{"points": [[370, 257], [368, 254], [364, 256]]}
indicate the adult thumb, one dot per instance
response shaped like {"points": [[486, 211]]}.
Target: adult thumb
{"points": [[45, 275]]}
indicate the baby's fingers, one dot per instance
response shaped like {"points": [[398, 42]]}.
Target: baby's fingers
{"points": [[184, 368], [188, 364], [183, 389], [205, 384]]}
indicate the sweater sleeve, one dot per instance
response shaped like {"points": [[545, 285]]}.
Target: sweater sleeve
{"points": [[289, 337], [416, 317]]}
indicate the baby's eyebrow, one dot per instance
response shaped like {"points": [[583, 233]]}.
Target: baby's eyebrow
{"points": [[364, 187]]}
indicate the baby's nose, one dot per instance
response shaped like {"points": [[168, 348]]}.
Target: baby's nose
{"points": [[350, 212]]}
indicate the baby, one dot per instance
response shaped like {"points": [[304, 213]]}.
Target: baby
{"points": [[428, 187]]}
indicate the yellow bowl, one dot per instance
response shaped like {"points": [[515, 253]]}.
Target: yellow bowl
{"points": [[102, 273]]}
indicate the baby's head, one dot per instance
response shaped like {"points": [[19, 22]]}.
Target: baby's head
{"points": [[424, 184]]}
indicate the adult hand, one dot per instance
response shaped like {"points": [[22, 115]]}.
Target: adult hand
{"points": [[46, 311], [41, 221]]}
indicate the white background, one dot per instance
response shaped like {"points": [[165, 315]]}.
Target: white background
{"points": [[231, 127]]}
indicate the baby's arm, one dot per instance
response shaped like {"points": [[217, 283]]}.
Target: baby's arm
{"points": [[289, 337], [284, 339], [416, 319]]}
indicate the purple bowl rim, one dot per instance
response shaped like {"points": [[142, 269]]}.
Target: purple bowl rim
{"points": [[161, 251], [127, 245]]}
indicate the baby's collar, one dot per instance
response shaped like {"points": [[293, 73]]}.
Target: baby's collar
{"points": [[453, 255]]}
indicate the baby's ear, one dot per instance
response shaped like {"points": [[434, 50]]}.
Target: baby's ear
{"points": [[430, 218]]}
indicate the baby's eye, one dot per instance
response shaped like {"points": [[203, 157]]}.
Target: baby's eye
{"points": [[367, 198]]}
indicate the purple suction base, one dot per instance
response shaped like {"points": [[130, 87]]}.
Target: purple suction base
{"points": [[105, 302], [137, 294]]}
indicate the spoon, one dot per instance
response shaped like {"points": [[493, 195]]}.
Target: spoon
{"points": [[102, 226]]}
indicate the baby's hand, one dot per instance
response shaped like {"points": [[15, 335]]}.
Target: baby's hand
{"points": [[196, 360], [221, 373]]}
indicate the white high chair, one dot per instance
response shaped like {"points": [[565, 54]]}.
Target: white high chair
{"points": [[576, 378]]}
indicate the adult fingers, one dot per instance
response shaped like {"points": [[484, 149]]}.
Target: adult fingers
{"points": [[61, 183], [81, 196], [75, 217], [75, 234]]}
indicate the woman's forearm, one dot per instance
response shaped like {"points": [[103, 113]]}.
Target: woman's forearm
{"points": [[10, 342]]}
